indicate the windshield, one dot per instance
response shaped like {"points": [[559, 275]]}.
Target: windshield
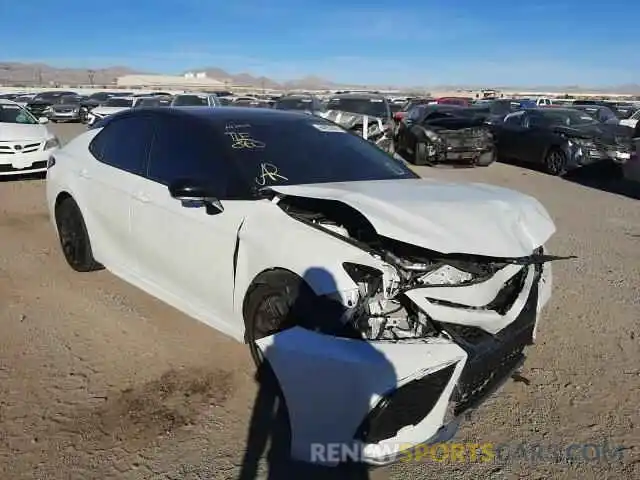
{"points": [[568, 117], [148, 102], [190, 101], [375, 107], [119, 102], [69, 100], [100, 96], [16, 114], [301, 151], [294, 104]]}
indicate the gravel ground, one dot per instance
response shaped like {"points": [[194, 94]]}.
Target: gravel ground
{"points": [[98, 380]]}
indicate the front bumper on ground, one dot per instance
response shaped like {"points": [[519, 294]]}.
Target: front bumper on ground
{"points": [[381, 399]]}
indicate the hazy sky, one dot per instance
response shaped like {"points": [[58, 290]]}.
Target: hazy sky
{"points": [[416, 42]]}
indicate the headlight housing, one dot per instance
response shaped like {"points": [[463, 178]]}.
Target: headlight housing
{"points": [[51, 143]]}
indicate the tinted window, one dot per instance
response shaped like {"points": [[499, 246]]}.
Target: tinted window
{"points": [[515, 119], [124, 143], [182, 149]]}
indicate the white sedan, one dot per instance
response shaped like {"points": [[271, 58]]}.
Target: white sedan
{"points": [[386, 305], [25, 143]]}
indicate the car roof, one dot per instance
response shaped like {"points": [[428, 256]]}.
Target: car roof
{"points": [[4, 101], [358, 96], [230, 114], [194, 93]]}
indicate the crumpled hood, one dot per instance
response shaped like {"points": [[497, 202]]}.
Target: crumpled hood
{"points": [[471, 218], [108, 110], [14, 132]]}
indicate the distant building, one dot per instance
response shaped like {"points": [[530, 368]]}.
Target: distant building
{"points": [[189, 80]]}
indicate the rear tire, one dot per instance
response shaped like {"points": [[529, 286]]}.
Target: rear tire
{"points": [[74, 238]]}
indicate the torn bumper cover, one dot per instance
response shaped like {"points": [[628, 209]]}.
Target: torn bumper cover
{"points": [[373, 400]]}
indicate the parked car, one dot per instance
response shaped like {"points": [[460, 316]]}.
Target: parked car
{"points": [[23, 100], [399, 115], [111, 106], [306, 103], [559, 139], [25, 143], [67, 108], [631, 168], [632, 121], [365, 114], [43, 101], [601, 113], [195, 100], [433, 134], [152, 101], [366, 290], [460, 101]]}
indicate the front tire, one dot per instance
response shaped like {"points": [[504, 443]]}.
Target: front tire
{"points": [[74, 238], [420, 156], [555, 162], [270, 306]]}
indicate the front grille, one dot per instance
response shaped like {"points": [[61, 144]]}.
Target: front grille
{"points": [[21, 148], [408, 405], [465, 140], [10, 168]]}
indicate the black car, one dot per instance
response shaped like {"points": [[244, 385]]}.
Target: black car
{"points": [[44, 100], [96, 99], [432, 134], [302, 102], [559, 139]]}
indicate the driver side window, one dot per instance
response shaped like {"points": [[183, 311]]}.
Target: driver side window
{"points": [[516, 119]]}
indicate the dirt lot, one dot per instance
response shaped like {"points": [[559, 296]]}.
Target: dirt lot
{"points": [[99, 380]]}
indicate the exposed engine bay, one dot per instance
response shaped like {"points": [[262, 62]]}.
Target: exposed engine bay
{"points": [[382, 309]]}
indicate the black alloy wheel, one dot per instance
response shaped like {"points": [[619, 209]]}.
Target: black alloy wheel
{"points": [[555, 162], [74, 238]]}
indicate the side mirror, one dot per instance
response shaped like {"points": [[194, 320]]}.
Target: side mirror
{"points": [[194, 194], [43, 120]]}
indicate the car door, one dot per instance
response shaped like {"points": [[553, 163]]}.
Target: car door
{"points": [[107, 184], [508, 133], [185, 254], [531, 144]]}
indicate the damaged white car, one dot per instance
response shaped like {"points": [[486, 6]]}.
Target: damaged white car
{"points": [[387, 305]]}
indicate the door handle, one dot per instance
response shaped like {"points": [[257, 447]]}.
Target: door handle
{"points": [[142, 197], [84, 173]]}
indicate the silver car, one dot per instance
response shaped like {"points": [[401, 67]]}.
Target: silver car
{"points": [[66, 109], [195, 99]]}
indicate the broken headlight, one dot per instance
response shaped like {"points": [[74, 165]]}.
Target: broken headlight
{"points": [[382, 312], [446, 275]]}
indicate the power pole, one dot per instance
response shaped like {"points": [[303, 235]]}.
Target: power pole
{"points": [[91, 74], [39, 77]]}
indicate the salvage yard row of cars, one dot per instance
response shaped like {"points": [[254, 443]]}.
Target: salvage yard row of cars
{"points": [[305, 235]]}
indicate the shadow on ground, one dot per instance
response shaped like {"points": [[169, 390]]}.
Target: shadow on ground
{"points": [[309, 392]]}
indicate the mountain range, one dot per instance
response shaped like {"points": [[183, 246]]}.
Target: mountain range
{"points": [[40, 74]]}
